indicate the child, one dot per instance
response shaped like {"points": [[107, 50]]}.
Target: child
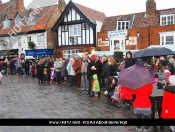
{"points": [[0, 76], [51, 74], [95, 86]]}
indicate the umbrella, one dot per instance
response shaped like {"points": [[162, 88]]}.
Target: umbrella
{"points": [[148, 52], [136, 76], [29, 58], [121, 66], [73, 56]]}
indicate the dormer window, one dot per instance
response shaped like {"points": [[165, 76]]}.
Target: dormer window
{"points": [[6, 24], [167, 19], [31, 19], [121, 25], [18, 22]]}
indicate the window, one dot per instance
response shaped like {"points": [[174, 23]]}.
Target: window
{"points": [[31, 18], [123, 25], [75, 30], [167, 40], [85, 26], [18, 22], [39, 40], [65, 28], [67, 53], [29, 39], [6, 24], [167, 19], [19, 40]]}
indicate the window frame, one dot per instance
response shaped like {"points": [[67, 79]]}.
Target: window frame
{"points": [[163, 40], [166, 20], [31, 19], [123, 26], [5, 24], [40, 43], [75, 30], [20, 22]]}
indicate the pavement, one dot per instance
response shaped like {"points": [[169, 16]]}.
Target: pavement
{"points": [[23, 97]]}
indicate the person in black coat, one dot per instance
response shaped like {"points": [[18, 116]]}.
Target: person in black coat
{"points": [[129, 61], [165, 62], [89, 74], [40, 69], [105, 70], [113, 66], [96, 68]]}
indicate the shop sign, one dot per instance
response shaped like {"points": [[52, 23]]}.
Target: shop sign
{"points": [[117, 33]]}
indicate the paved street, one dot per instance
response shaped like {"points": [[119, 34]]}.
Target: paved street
{"points": [[23, 97]]}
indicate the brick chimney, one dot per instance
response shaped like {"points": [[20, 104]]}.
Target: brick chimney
{"points": [[61, 5], [19, 5], [150, 8]]}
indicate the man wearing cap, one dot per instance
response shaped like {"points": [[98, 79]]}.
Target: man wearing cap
{"points": [[97, 67], [77, 67]]}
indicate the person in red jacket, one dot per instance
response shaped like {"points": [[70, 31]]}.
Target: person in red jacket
{"points": [[126, 94], [142, 104]]}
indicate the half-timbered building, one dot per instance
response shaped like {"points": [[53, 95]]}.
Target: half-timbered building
{"points": [[77, 29]]}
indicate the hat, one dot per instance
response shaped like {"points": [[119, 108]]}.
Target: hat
{"points": [[172, 79]]}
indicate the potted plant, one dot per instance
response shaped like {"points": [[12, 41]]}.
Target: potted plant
{"points": [[31, 45], [118, 54]]}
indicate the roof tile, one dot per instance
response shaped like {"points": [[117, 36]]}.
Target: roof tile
{"points": [[91, 13]]}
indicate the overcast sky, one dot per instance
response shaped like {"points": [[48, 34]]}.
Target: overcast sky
{"points": [[117, 7]]}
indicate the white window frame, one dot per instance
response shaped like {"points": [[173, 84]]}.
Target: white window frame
{"points": [[66, 53], [18, 22], [166, 21], [6, 24], [40, 40], [75, 30], [124, 25], [31, 19], [28, 39], [163, 36], [19, 40]]}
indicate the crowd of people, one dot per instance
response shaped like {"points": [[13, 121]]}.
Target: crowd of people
{"points": [[93, 75]]}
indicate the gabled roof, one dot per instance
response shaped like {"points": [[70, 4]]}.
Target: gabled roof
{"points": [[86, 13], [41, 24], [91, 13], [4, 6], [11, 15], [140, 20]]}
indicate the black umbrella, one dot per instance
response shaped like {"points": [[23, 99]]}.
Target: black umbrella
{"points": [[148, 52]]}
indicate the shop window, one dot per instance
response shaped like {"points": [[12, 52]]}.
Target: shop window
{"points": [[167, 19], [67, 53]]}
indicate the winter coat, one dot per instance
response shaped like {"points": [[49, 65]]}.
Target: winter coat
{"points": [[142, 97], [129, 61], [168, 105], [27, 63], [63, 70], [161, 77], [98, 66], [39, 71], [95, 85], [84, 67], [126, 93], [89, 73], [57, 66], [113, 69], [77, 66], [70, 69], [105, 70]]}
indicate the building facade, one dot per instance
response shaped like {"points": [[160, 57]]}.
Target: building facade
{"points": [[139, 30], [19, 27], [77, 29]]}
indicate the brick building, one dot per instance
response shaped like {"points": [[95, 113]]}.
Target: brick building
{"points": [[138, 30], [18, 26]]}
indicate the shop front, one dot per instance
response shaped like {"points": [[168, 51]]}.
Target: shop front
{"points": [[39, 53], [9, 54], [69, 50], [117, 39]]}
